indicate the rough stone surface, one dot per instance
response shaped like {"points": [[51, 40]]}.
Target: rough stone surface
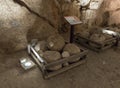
{"points": [[72, 49], [41, 30], [109, 13], [14, 24], [52, 56], [55, 42], [99, 38]]}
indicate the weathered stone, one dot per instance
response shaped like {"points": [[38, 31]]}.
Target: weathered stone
{"points": [[72, 49], [41, 45], [52, 56], [99, 38], [55, 42]]}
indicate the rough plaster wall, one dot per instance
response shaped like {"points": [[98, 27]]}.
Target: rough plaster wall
{"points": [[14, 24], [46, 9], [70, 9], [47, 22], [54, 11], [109, 13]]}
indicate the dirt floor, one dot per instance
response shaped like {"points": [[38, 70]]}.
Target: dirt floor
{"points": [[102, 70]]}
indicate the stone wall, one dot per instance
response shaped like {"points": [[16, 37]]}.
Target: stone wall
{"points": [[23, 20], [14, 24], [109, 13]]}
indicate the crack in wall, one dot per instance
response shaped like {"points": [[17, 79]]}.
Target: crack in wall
{"points": [[21, 3]]}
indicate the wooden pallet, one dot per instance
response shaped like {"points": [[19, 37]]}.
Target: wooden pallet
{"points": [[43, 65], [100, 46]]}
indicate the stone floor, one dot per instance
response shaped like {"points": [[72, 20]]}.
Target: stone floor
{"points": [[102, 70]]}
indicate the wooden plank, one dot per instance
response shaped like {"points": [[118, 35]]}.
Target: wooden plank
{"points": [[89, 47], [90, 41], [109, 40], [99, 44], [106, 44], [94, 48], [61, 61], [107, 47], [51, 74]]}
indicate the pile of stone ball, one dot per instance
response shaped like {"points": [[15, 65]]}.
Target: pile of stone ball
{"points": [[54, 48]]}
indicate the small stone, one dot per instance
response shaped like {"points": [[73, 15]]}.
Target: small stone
{"points": [[65, 54]]}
